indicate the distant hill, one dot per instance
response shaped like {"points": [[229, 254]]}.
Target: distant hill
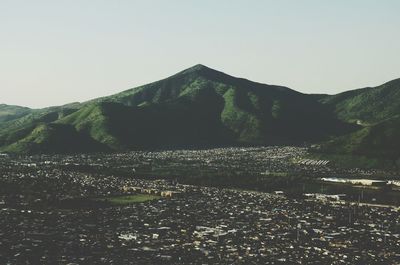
{"points": [[8, 112], [198, 107], [54, 138], [377, 109], [15, 129], [367, 105], [378, 140]]}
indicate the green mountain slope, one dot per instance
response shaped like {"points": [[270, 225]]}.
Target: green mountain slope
{"points": [[16, 129], [368, 105], [9, 113], [379, 140], [55, 138], [198, 107], [252, 112], [377, 109]]}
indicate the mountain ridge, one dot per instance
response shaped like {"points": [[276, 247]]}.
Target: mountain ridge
{"points": [[198, 107]]}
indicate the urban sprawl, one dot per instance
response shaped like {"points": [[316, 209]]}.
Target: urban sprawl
{"points": [[61, 210]]}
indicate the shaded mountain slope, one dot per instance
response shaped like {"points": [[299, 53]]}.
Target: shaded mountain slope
{"points": [[377, 109], [16, 129], [253, 112], [55, 138], [379, 140]]}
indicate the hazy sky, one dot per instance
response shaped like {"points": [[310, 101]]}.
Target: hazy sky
{"points": [[58, 51]]}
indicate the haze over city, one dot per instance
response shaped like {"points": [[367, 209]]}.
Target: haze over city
{"points": [[56, 52]]}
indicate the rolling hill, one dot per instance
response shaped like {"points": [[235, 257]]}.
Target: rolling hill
{"points": [[369, 105], [55, 138], [198, 107], [379, 140], [9, 113], [377, 109]]}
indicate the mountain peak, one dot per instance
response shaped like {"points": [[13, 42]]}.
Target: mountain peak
{"points": [[198, 68], [199, 65]]}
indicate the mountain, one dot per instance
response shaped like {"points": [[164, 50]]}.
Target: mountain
{"points": [[198, 107], [367, 105], [54, 138], [13, 130], [379, 140], [377, 109], [8, 112]]}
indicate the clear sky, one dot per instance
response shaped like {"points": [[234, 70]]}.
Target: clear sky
{"points": [[56, 52]]}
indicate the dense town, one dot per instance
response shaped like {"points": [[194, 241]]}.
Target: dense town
{"points": [[54, 211]]}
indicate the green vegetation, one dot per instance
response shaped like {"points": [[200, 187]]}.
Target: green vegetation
{"points": [[8, 113], [198, 107], [368, 105], [202, 107], [128, 199], [101, 202], [375, 141], [91, 120], [377, 109], [54, 138], [244, 124]]}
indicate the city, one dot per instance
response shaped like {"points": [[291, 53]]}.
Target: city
{"points": [[183, 223]]}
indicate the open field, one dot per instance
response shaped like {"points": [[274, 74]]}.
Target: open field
{"points": [[129, 199]]}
